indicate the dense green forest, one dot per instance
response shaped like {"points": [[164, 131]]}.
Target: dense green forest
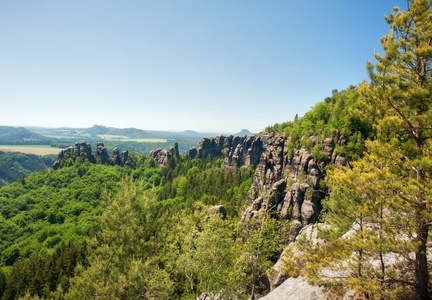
{"points": [[150, 214], [15, 165]]}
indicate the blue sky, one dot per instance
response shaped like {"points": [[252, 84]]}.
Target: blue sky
{"points": [[204, 65]]}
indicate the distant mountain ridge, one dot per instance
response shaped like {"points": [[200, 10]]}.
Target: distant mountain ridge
{"points": [[129, 132], [12, 135]]}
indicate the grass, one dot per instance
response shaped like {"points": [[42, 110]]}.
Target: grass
{"points": [[31, 149]]}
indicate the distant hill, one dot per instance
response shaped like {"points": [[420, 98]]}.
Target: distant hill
{"points": [[11, 135], [6, 129], [128, 132], [191, 133], [15, 165], [243, 132]]}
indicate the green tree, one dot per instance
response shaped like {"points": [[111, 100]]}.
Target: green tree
{"points": [[367, 249], [259, 242], [387, 195], [401, 93], [2, 282], [117, 265], [206, 254]]}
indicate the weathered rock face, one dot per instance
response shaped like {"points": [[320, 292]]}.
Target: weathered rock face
{"points": [[163, 157], [287, 186], [83, 150], [237, 151], [80, 149], [102, 153], [290, 186], [219, 209], [283, 287]]}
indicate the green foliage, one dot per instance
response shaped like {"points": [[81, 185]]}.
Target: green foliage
{"points": [[204, 245], [401, 95], [384, 199], [221, 258], [40, 276], [2, 282], [46, 210], [260, 243], [345, 111], [206, 181], [118, 266], [43, 210], [15, 165]]}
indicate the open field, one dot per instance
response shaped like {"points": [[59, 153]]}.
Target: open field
{"points": [[32, 149]]}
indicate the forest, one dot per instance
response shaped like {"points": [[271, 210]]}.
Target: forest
{"points": [[96, 231]]}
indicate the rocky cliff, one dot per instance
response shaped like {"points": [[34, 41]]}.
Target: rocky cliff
{"points": [[287, 185], [83, 150], [163, 156]]}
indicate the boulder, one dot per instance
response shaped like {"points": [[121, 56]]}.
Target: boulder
{"points": [[220, 209]]}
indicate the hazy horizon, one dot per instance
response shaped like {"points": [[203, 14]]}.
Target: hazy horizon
{"points": [[30, 127], [207, 66]]}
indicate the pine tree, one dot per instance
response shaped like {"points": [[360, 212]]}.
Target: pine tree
{"points": [[117, 267], [401, 93], [2, 282], [385, 198]]}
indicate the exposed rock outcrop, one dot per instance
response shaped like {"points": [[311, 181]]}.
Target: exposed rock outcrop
{"points": [[83, 150], [163, 157], [295, 288], [287, 185], [237, 151], [219, 209], [102, 153], [283, 287]]}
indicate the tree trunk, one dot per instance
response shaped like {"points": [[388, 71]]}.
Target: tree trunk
{"points": [[421, 267]]}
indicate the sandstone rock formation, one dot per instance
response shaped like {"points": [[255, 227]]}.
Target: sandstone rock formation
{"points": [[289, 186], [237, 151], [83, 150], [219, 209], [102, 153], [163, 157], [295, 288]]}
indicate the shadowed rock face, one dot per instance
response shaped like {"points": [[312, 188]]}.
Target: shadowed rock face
{"points": [[83, 150]]}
